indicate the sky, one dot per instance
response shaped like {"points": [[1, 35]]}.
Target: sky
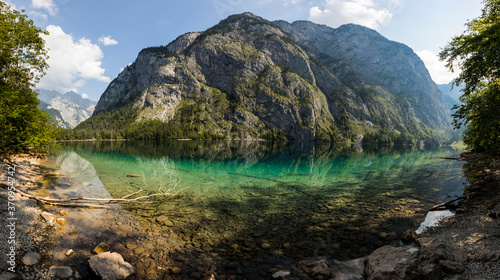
{"points": [[91, 41]]}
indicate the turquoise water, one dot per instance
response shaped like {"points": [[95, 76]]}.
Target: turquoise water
{"points": [[244, 199]]}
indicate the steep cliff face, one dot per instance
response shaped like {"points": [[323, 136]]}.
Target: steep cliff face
{"points": [[378, 61], [247, 77]]}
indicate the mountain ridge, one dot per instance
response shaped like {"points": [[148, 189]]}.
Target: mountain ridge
{"points": [[68, 109], [248, 78]]}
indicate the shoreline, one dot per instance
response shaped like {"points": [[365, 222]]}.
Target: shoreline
{"points": [[472, 252]]}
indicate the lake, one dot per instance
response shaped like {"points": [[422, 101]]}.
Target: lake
{"points": [[250, 201]]}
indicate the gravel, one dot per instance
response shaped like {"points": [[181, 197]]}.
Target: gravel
{"points": [[475, 230]]}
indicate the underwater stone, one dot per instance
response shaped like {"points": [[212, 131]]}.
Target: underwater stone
{"points": [[63, 272], [31, 258], [61, 221], [281, 275], [101, 248], [49, 218]]}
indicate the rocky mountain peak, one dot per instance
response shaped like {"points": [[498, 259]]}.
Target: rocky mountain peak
{"points": [[69, 109], [247, 77]]}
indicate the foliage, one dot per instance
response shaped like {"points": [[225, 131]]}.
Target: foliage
{"points": [[477, 53], [387, 136], [24, 126]]}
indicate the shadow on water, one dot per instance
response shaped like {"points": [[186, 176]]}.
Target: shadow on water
{"points": [[255, 206]]}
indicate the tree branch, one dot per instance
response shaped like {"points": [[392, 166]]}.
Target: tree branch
{"points": [[97, 202]]}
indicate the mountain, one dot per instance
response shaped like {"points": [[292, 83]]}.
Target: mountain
{"points": [[451, 93], [378, 61], [67, 109], [248, 78]]}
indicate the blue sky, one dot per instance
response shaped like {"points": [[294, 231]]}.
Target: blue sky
{"points": [[91, 41]]}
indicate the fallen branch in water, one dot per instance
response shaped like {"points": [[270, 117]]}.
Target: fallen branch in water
{"points": [[451, 158], [445, 204], [98, 202], [430, 173]]}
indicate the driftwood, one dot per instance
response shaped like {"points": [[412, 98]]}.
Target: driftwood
{"points": [[445, 204], [98, 202]]}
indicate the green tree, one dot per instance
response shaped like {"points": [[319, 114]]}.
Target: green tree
{"points": [[477, 53], [23, 126]]}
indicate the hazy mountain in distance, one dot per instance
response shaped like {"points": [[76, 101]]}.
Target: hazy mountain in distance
{"points": [[67, 109]]}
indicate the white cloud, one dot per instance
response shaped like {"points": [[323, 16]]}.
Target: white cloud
{"points": [[45, 4], [338, 12], [439, 73], [39, 16], [291, 2], [71, 62], [107, 41], [84, 95]]}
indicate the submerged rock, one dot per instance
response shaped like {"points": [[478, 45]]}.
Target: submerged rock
{"points": [[61, 221], [31, 258], [315, 269], [7, 276], [101, 248], [49, 218], [63, 272], [281, 275], [110, 266]]}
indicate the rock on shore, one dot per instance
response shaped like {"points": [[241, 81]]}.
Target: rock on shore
{"points": [[110, 266]]}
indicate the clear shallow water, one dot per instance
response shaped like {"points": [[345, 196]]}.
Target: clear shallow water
{"points": [[246, 199]]}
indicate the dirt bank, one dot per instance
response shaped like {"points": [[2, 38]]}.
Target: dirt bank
{"points": [[472, 236]]}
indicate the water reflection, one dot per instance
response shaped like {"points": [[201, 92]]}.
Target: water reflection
{"points": [[247, 199]]}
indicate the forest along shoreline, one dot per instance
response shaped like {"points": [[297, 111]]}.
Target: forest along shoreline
{"points": [[466, 246]]}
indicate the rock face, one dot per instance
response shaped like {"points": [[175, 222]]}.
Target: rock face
{"points": [[110, 266], [67, 109], [248, 78], [378, 61]]}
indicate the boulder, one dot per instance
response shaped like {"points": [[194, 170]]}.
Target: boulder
{"points": [[63, 272], [110, 266], [402, 263], [31, 258], [315, 269], [348, 270]]}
